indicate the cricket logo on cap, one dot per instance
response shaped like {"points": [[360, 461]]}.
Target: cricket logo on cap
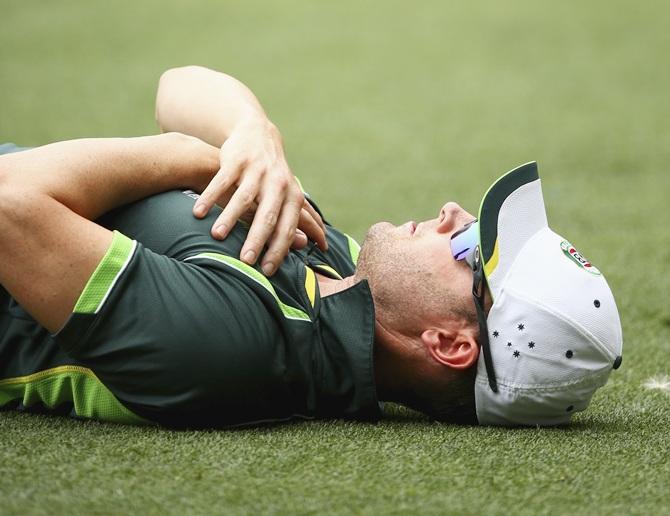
{"points": [[572, 253]]}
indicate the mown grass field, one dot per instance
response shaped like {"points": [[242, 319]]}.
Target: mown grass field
{"points": [[388, 109]]}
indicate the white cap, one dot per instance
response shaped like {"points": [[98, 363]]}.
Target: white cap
{"points": [[554, 330]]}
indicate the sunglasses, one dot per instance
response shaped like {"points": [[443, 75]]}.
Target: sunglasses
{"points": [[465, 246], [464, 241]]}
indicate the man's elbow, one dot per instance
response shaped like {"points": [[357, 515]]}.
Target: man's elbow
{"points": [[181, 70], [7, 174], [15, 203], [175, 77], [170, 84], [17, 192]]}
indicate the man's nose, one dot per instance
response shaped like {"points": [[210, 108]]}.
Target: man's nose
{"points": [[453, 216], [451, 209]]}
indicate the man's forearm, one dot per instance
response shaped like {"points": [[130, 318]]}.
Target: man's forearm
{"points": [[93, 176], [48, 248], [204, 103]]}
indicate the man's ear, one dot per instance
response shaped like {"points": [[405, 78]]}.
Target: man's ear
{"points": [[458, 350]]}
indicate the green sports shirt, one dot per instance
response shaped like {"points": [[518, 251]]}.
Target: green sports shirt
{"points": [[173, 329]]}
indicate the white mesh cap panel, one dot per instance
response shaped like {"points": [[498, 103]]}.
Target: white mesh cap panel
{"points": [[520, 407], [536, 349], [546, 370], [546, 275], [520, 217]]}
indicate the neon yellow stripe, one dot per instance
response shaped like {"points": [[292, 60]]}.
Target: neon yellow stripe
{"points": [[310, 285], [491, 265], [105, 275], [47, 372], [288, 311], [328, 268], [354, 249], [79, 385]]}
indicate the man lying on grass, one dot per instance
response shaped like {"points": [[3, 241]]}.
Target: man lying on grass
{"points": [[128, 297]]}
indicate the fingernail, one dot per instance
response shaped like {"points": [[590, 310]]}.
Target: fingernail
{"points": [[199, 210], [249, 256], [221, 230], [268, 267]]}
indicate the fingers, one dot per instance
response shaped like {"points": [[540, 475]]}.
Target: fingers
{"points": [[255, 179], [241, 202], [312, 225], [315, 214], [300, 240], [265, 222], [218, 188], [284, 234], [281, 215]]}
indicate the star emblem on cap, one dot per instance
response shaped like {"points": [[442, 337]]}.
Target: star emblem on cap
{"points": [[531, 344], [520, 327], [496, 333], [516, 354]]}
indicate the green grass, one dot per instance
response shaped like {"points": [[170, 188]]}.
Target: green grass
{"points": [[388, 109]]}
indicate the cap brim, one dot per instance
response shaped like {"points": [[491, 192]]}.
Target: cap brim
{"points": [[511, 212]]}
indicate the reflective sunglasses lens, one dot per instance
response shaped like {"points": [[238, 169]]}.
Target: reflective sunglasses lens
{"points": [[464, 241]]}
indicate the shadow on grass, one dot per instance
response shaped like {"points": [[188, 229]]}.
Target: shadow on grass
{"points": [[647, 414]]}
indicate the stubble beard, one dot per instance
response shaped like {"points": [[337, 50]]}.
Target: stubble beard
{"points": [[406, 295], [392, 275]]}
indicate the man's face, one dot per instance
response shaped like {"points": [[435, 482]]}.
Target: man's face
{"points": [[413, 276]]}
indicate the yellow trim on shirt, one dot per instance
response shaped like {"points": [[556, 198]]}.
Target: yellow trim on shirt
{"points": [[329, 269], [68, 383], [310, 285]]}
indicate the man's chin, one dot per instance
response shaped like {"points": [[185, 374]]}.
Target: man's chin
{"points": [[376, 234], [379, 228], [376, 239]]}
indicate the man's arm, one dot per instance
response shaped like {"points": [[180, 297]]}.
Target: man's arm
{"points": [[204, 103], [48, 246], [254, 174]]}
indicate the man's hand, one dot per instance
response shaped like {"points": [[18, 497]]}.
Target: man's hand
{"points": [[256, 185], [254, 182]]}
